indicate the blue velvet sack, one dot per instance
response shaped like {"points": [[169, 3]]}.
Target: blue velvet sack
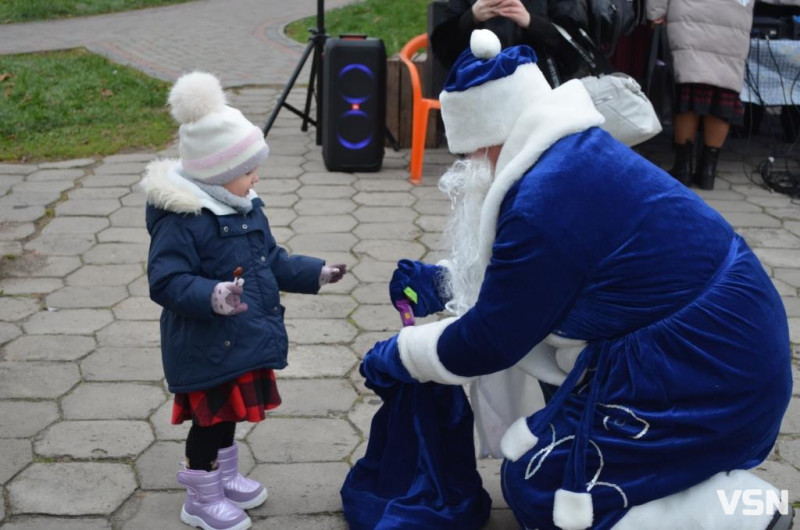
{"points": [[419, 470]]}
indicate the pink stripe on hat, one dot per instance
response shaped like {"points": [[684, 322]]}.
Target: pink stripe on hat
{"points": [[236, 149]]}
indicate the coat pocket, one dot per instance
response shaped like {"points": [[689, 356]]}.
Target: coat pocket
{"points": [[218, 339]]}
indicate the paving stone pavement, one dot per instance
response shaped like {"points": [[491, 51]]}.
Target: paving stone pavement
{"points": [[84, 411], [242, 41]]}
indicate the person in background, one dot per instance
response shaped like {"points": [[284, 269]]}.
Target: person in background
{"points": [[576, 260], [220, 338], [709, 41], [514, 22]]}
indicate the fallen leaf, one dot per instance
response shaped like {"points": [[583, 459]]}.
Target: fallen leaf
{"points": [[4, 76]]}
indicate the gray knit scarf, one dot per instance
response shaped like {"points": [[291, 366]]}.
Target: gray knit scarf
{"points": [[243, 205]]}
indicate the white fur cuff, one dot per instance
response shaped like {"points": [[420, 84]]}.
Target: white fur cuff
{"points": [[418, 353], [517, 440], [572, 510]]}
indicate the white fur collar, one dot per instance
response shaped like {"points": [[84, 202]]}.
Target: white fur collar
{"points": [[168, 190], [566, 110]]}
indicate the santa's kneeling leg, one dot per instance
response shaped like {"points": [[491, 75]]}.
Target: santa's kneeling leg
{"points": [[533, 484], [717, 503]]}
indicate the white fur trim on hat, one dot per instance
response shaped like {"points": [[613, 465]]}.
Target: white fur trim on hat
{"points": [[417, 345], [572, 510], [484, 115], [517, 440], [484, 44]]}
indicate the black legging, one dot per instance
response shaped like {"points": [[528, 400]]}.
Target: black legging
{"points": [[202, 443]]}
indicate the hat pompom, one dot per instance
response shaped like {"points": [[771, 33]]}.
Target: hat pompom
{"points": [[196, 95], [484, 44]]}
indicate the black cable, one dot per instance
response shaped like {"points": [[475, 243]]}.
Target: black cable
{"points": [[786, 181], [748, 169]]}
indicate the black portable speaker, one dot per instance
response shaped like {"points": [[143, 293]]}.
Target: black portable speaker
{"points": [[353, 103]]}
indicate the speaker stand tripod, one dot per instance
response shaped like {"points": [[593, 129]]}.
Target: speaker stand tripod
{"points": [[316, 44]]}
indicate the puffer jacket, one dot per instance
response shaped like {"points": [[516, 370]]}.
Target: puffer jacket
{"points": [[196, 242], [709, 39]]}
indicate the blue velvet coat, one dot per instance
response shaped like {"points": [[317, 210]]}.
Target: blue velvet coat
{"points": [[686, 371], [197, 242], [687, 336]]}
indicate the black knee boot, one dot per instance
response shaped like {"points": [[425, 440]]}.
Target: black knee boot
{"points": [[682, 167], [707, 168]]}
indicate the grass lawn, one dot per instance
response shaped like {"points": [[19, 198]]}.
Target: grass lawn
{"points": [[30, 10], [74, 104], [393, 21]]}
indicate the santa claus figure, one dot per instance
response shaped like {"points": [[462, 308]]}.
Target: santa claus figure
{"points": [[578, 262]]}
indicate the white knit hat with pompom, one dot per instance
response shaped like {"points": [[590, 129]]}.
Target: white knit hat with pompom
{"points": [[217, 143]]}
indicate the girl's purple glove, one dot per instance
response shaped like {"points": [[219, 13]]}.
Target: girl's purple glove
{"points": [[426, 282], [226, 298], [382, 365]]}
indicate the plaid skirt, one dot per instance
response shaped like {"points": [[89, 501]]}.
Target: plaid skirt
{"points": [[246, 398], [708, 100]]}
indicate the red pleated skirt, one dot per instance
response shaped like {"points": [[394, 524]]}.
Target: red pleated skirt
{"points": [[246, 398]]}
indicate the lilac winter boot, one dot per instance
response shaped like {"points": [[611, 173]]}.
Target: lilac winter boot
{"points": [[206, 506], [240, 490]]}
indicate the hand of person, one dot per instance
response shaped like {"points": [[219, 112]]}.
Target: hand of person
{"points": [[382, 365], [423, 279], [659, 21], [226, 298], [332, 274], [483, 10], [514, 10]]}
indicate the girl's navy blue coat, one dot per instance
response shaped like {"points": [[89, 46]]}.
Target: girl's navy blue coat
{"points": [[197, 242]]}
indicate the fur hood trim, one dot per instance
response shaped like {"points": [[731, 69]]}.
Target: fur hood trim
{"points": [[566, 110], [168, 190]]}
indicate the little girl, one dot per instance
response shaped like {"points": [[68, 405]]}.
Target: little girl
{"points": [[215, 269]]}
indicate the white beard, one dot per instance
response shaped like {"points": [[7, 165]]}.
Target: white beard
{"points": [[467, 183]]}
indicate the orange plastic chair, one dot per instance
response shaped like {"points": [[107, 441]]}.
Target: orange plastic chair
{"points": [[422, 107]]}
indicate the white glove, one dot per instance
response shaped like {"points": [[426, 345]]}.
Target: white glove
{"points": [[332, 274], [226, 298]]}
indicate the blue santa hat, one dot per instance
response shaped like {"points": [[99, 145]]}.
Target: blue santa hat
{"points": [[487, 90]]}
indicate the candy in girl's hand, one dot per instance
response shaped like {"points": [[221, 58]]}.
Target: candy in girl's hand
{"points": [[237, 276]]}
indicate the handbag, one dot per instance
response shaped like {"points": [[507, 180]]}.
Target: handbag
{"points": [[659, 76], [629, 115]]}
